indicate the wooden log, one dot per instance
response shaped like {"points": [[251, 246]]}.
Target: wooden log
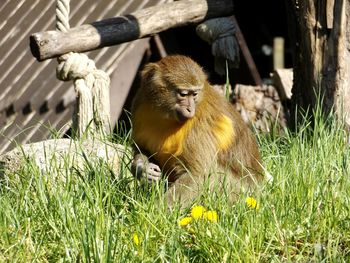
{"points": [[141, 23]]}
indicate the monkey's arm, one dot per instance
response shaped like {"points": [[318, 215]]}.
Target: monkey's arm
{"points": [[142, 168]]}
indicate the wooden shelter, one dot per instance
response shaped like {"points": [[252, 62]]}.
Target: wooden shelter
{"points": [[33, 103]]}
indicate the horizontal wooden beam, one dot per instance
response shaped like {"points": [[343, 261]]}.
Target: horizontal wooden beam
{"points": [[113, 31]]}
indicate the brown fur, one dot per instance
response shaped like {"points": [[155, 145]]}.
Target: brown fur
{"points": [[186, 151]]}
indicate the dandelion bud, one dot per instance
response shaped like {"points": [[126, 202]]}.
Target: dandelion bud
{"points": [[136, 239]]}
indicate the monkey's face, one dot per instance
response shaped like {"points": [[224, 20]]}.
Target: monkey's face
{"points": [[173, 86], [186, 100]]}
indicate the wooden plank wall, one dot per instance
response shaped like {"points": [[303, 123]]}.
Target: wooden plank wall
{"points": [[33, 103]]}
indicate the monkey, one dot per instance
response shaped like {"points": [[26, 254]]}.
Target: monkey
{"points": [[182, 128]]}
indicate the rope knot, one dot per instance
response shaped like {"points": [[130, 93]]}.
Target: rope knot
{"points": [[90, 84], [74, 66]]}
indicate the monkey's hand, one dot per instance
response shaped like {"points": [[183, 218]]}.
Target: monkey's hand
{"points": [[141, 168]]}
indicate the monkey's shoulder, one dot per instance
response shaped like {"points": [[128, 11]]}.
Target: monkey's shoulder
{"points": [[224, 132]]}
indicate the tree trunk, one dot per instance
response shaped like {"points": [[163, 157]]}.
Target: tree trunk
{"points": [[321, 31]]}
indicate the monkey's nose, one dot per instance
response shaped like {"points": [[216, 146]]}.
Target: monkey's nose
{"points": [[190, 112], [185, 113]]}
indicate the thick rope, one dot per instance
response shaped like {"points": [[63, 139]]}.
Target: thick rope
{"points": [[62, 15], [220, 33], [91, 85]]}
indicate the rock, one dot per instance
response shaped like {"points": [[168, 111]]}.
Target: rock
{"points": [[52, 157]]}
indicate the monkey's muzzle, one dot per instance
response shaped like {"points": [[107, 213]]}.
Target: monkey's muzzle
{"points": [[185, 113]]}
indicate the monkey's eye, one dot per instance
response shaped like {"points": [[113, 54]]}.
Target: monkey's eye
{"points": [[183, 93]]}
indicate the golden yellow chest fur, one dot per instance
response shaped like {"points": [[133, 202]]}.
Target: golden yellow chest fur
{"points": [[164, 139]]}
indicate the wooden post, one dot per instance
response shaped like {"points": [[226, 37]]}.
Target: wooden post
{"points": [[139, 24], [278, 53]]}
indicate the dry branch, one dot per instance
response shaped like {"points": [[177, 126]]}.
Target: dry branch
{"points": [[139, 24]]}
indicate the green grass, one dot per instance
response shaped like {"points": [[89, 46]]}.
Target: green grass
{"points": [[92, 216]]}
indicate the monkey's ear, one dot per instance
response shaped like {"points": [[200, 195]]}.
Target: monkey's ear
{"points": [[149, 71]]}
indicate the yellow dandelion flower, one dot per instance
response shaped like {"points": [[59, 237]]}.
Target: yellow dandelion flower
{"points": [[185, 221], [197, 212], [211, 216], [252, 203], [136, 239]]}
